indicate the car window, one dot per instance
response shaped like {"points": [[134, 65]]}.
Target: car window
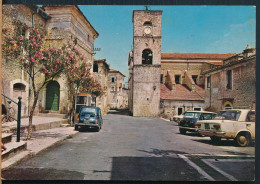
{"points": [[205, 116], [87, 110], [251, 116], [228, 115], [191, 115]]}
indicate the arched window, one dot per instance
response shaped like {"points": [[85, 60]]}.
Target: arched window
{"points": [[19, 86], [95, 67], [148, 23], [147, 57]]}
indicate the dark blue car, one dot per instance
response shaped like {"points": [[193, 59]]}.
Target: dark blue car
{"points": [[190, 118], [89, 117]]}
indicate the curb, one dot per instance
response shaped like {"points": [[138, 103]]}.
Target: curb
{"points": [[30, 154]]}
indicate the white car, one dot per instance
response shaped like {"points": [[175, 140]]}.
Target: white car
{"points": [[237, 124]]}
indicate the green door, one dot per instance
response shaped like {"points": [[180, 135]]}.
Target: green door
{"points": [[53, 96]]}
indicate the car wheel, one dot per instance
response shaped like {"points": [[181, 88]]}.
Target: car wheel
{"points": [[98, 128], [242, 140], [215, 139], [182, 131]]}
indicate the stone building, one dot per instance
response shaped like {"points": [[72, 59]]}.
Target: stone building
{"points": [[166, 83], [15, 82], [145, 64], [60, 24], [117, 93], [232, 85], [182, 84], [100, 73]]}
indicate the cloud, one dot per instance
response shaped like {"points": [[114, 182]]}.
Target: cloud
{"points": [[236, 38]]}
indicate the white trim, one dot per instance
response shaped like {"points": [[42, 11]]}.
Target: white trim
{"points": [[232, 178], [202, 172]]}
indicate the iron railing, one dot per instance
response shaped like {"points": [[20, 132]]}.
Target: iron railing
{"points": [[19, 104]]}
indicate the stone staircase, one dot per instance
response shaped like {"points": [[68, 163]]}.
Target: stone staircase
{"points": [[13, 147]]}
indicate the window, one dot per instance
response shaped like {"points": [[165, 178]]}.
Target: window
{"points": [[229, 79], [147, 57], [113, 79], [95, 67], [197, 108], [251, 116], [194, 77], [208, 82], [19, 86], [161, 79], [177, 79], [180, 110], [148, 23]]}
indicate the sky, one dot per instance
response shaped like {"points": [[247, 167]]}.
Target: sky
{"points": [[185, 29]]}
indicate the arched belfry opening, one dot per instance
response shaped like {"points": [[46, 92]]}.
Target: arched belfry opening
{"points": [[147, 57], [147, 23]]}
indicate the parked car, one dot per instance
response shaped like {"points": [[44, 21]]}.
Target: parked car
{"points": [[89, 117], [237, 124], [177, 118], [190, 118]]}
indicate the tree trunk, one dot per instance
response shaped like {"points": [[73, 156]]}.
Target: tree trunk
{"points": [[31, 116]]}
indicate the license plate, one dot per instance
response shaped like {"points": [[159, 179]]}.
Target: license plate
{"points": [[206, 126]]}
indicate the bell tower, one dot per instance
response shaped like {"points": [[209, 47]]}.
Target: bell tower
{"points": [[146, 62]]}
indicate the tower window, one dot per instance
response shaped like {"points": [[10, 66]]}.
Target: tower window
{"points": [[177, 79], [112, 79], [147, 57], [95, 67], [148, 23]]}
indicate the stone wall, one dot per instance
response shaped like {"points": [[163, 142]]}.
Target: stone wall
{"points": [[146, 90], [243, 91]]}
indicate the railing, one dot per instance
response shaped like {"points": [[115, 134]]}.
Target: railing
{"points": [[19, 104]]}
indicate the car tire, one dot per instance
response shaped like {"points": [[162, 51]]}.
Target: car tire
{"points": [[98, 128], [242, 140], [215, 139], [182, 131]]}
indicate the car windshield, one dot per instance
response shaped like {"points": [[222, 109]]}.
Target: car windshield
{"points": [[228, 115], [88, 111], [206, 116], [191, 115]]}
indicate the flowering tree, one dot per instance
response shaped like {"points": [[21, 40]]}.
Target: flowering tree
{"points": [[78, 74], [26, 44]]}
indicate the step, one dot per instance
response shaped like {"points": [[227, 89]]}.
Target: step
{"points": [[36, 127], [6, 137], [11, 161], [13, 148], [53, 114]]}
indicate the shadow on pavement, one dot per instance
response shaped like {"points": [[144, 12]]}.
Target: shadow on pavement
{"points": [[41, 174], [153, 169], [163, 153], [222, 143], [119, 112]]}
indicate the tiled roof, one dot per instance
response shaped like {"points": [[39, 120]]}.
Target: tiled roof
{"points": [[182, 93], [196, 55]]}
